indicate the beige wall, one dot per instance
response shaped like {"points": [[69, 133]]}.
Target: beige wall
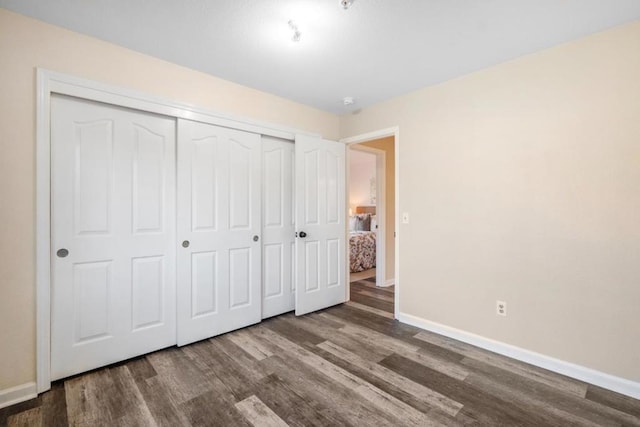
{"points": [[26, 44], [362, 169], [523, 184], [387, 145]]}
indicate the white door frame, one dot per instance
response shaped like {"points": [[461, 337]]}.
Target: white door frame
{"points": [[381, 205], [49, 82], [370, 136]]}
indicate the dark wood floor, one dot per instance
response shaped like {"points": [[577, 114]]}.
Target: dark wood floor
{"points": [[348, 365]]}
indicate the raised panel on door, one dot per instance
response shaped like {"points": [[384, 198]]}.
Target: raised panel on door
{"points": [[273, 267], [312, 181], [113, 221], [92, 171], [148, 284], [92, 284], [278, 231], [240, 278], [312, 266], [335, 191], [204, 203], [218, 262], [148, 181], [334, 260], [241, 156], [320, 224], [204, 283]]}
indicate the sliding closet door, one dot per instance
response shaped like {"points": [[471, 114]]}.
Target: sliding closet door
{"points": [[219, 260], [320, 224], [113, 233], [278, 231]]}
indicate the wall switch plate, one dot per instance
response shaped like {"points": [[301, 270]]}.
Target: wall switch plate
{"points": [[501, 308], [405, 217]]}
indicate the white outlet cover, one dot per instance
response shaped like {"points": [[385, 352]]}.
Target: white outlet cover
{"points": [[405, 217], [501, 308]]}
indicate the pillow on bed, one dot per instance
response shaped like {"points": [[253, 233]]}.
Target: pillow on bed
{"points": [[363, 222], [374, 223], [352, 223]]}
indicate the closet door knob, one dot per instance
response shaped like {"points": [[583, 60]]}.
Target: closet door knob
{"points": [[185, 244], [302, 234], [62, 253], [256, 238]]}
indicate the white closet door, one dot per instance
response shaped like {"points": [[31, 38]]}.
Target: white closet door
{"points": [[320, 223], [113, 234], [278, 231], [219, 260]]}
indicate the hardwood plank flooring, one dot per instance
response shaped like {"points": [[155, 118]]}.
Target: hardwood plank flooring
{"points": [[351, 364], [258, 413]]}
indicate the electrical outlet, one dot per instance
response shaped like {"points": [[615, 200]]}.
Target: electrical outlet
{"points": [[501, 308]]}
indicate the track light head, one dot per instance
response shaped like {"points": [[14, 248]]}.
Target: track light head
{"points": [[346, 4]]}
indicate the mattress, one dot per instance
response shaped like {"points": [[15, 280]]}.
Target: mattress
{"points": [[362, 250]]}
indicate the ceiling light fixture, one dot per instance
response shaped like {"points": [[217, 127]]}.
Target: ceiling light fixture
{"points": [[348, 100], [296, 32], [346, 4]]}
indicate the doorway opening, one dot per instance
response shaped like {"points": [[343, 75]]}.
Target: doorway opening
{"points": [[366, 177], [371, 204]]}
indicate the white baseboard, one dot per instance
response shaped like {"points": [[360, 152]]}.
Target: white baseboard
{"points": [[389, 282], [601, 379], [17, 394]]}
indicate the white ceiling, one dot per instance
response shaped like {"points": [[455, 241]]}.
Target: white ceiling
{"points": [[376, 50]]}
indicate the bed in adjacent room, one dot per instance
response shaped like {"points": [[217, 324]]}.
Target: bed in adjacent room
{"points": [[362, 239]]}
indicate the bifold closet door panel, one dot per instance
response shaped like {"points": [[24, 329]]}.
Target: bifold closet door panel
{"points": [[320, 223], [112, 234], [219, 254], [278, 226]]}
